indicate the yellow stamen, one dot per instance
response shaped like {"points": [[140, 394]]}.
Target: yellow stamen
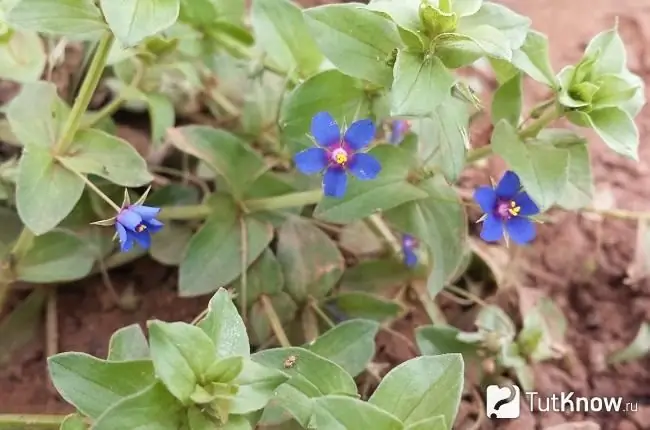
{"points": [[141, 228], [341, 158], [514, 209]]}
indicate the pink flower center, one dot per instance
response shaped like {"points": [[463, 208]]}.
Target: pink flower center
{"points": [[507, 209], [339, 156]]}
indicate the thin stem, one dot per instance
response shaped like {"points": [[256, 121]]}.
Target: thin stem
{"points": [[85, 94], [314, 305], [20, 248], [244, 269], [97, 191], [302, 198], [619, 213], [433, 311], [184, 213], [377, 225], [117, 102], [12, 421], [479, 153], [540, 123], [274, 320]]}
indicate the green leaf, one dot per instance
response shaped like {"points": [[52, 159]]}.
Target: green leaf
{"points": [[161, 115], [22, 57], [77, 18], [639, 347], [433, 423], [36, 114], [224, 370], [153, 408], [128, 343], [281, 31], [534, 60], [168, 245], [507, 100], [99, 153], [579, 189], [351, 345], [420, 84], [342, 96], [347, 413], [422, 387], [263, 277], [444, 138], [442, 339], [542, 169], [257, 385], [404, 13], [133, 20], [547, 319], [225, 327], [617, 129], [375, 275], [365, 305], [11, 228], [457, 50], [357, 41], [74, 422], [310, 260], [438, 221], [181, 354], [609, 51], [46, 192], [213, 256], [511, 25], [55, 257], [363, 198], [225, 153], [21, 325], [311, 374], [93, 385]]}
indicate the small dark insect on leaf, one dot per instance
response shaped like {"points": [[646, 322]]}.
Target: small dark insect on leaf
{"points": [[290, 361]]}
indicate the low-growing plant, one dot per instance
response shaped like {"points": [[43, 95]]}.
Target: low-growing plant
{"points": [[317, 169]]}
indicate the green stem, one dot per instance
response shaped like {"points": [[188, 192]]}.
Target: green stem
{"points": [[85, 94], [302, 198], [97, 191], [532, 130], [540, 123], [379, 227], [184, 213], [274, 320], [13, 421], [619, 213], [117, 102]]}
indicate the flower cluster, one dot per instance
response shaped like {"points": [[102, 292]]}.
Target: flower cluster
{"points": [[507, 208], [338, 155]]}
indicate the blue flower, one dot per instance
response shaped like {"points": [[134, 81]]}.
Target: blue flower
{"points": [[135, 223], [398, 129], [409, 244], [506, 207], [338, 155]]}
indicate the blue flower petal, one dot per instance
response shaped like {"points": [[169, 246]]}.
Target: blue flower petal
{"points": [[410, 258], [153, 225], [143, 239], [398, 129], [364, 166], [492, 229], [527, 205], [520, 229], [335, 181], [486, 198], [129, 219], [126, 242], [311, 160], [325, 129], [146, 212], [360, 134], [509, 185]]}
